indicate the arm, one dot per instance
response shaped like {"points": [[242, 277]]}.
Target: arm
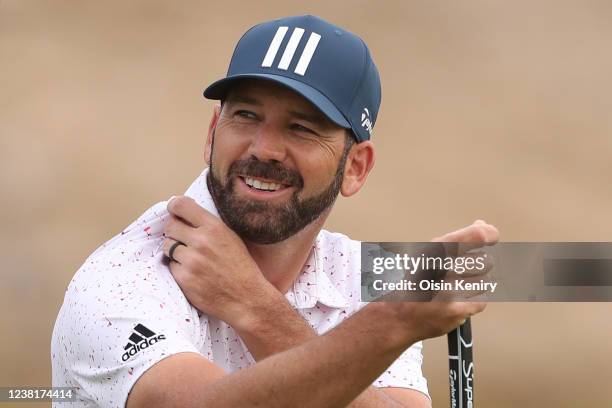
{"points": [[238, 298], [275, 327], [330, 370], [265, 321]]}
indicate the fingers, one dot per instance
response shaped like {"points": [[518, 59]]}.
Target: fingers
{"points": [[180, 274], [475, 307], [178, 255], [478, 232], [187, 209], [461, 311], [474, 236], [464, 289], [178, 230], [474, 263]]}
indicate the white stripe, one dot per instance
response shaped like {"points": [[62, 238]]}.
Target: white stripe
{"points": [[296, 36], [310, 48], [274, 46], [460, 368], [465, 344]]}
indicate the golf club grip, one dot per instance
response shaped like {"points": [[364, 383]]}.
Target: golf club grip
{"points": [[461, 363]]}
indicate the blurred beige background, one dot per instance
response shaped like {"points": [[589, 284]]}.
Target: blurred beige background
{"points": [[491, 109]]}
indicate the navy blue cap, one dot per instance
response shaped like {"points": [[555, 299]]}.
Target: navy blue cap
{"points": [[329, 66]]}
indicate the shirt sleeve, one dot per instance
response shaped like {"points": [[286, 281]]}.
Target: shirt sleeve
{"points": [[122, 313], [405, 372]]}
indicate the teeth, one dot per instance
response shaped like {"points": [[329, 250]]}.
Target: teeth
{"points": [[251, 182]]}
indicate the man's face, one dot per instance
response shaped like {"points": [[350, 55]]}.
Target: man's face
{"points": [[276, 163]]}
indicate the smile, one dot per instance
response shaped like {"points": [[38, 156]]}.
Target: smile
{"points": [[262, 185], [263, 189]]}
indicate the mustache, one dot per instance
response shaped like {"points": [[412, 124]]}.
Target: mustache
{"points": [[267, 170]]}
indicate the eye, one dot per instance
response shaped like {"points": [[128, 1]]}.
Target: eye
{"points": [[246, 114], [300, 128]]}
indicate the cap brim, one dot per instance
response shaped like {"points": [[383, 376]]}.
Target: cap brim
{"points": [[218, 90]]}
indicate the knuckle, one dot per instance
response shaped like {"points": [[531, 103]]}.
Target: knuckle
{"points": [[216, 227], [178, 203], [456, 310], [481, 306], [189, 260], [480, 233], [200, 243], [216, 223], [475, 308]]}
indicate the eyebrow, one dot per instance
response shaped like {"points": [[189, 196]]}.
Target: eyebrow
{"points": [[314, 117]]}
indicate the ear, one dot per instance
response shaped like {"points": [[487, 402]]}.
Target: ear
{"points": [[358, 165], [211, 132]]}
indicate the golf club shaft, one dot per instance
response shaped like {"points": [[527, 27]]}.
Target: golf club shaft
{"points": [[461, 363]]}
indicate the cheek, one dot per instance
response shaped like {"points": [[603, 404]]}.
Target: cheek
{"points": [[226, 151], [318, 164], [318, 173]]}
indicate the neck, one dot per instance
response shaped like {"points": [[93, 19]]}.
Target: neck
{"points": [[282, 263]]}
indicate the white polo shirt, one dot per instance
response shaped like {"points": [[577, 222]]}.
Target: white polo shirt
{"points": [[123, 312]]}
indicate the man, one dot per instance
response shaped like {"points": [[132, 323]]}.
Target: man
{"points": [[252, 308]]}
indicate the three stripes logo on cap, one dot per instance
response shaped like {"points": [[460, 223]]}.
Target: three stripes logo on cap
{"points": [[140, 339], [294, 41]]}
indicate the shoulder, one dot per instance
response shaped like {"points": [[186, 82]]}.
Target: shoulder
{"points": [[122, 312], [128, 273]]}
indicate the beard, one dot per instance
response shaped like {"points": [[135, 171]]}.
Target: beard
{"points": [[261, 222]]}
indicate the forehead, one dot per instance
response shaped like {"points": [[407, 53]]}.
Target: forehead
{"points": [[267, 92]]}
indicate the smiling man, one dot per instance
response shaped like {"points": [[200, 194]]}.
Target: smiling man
{"points": [[233, 294], [275, 187]]}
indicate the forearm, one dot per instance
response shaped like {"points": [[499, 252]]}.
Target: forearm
{"points": [[271, 339], [373, 397], [272, 326], [330, 370]]}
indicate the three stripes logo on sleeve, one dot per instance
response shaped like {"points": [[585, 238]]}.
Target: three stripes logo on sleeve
{"points": [[292, 45], [140, 339]]}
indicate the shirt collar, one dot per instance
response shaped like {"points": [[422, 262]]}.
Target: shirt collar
{"points": [[312, 285], [199, 192]]}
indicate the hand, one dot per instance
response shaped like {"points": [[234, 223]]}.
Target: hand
{"points": [[214, 268], [435, 318]]}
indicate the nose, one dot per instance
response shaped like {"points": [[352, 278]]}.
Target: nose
{"points": [[268, 144]]}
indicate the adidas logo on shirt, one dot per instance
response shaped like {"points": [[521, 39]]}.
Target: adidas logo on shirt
{"points": [[140, 339]]}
